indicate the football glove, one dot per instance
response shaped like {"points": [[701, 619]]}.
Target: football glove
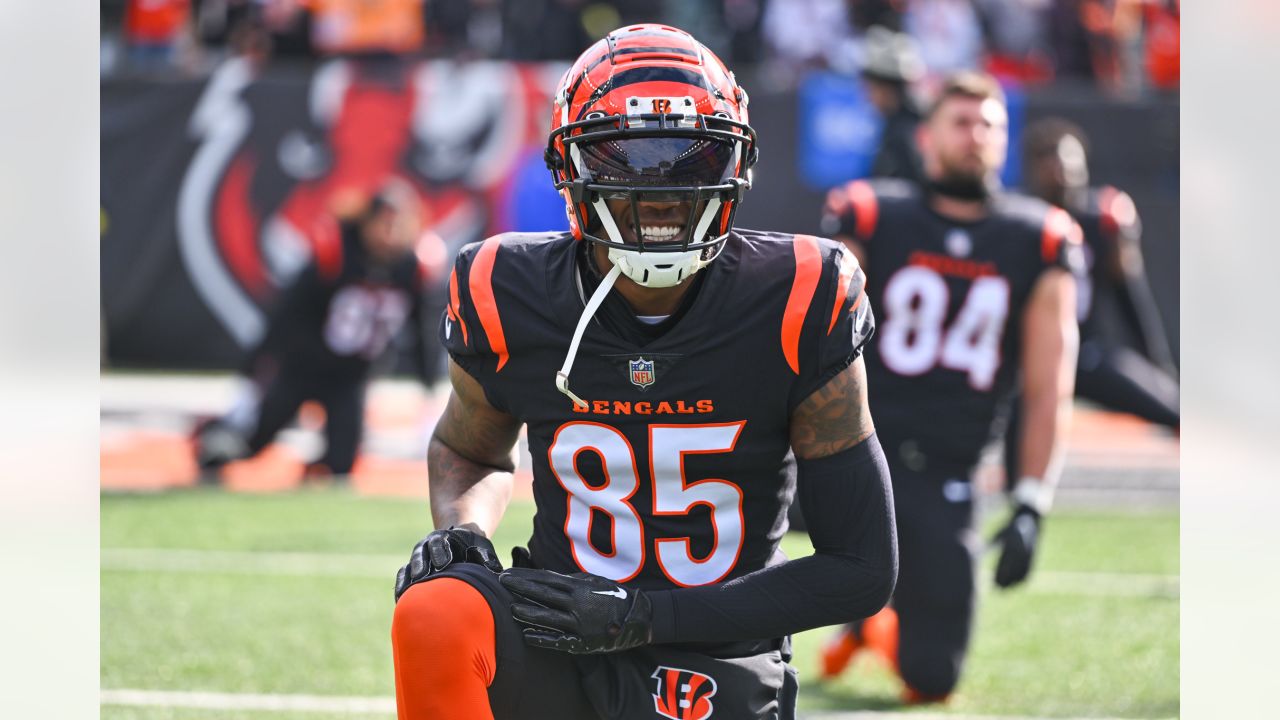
{"points": [[1018, 546], [443, 548], [579, 613]]}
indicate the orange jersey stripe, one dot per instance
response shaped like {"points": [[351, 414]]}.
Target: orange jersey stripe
{"points": [[848, 267], [864, 202], [1107, 220], [328, 250], [455, 305], [481, 283], [1057, 226], [803, 286]]}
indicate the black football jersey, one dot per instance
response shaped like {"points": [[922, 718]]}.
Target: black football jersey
{"points": [[950, 297], [340, 311], [675, 471], [1107, 217]]}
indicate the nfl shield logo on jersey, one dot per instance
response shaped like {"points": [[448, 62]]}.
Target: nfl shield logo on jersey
{"points": [[642, 375], [958, 243], [683, 694]]}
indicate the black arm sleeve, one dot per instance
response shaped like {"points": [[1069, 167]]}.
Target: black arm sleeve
{"points": [[848, 502], [1139, 303]]}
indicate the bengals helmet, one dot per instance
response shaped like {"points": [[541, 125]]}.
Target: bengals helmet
{"points": [[649, 114]]}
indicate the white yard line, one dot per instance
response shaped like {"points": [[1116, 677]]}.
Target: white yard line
{"points": [[1050, 582], [386, 705], [385, 566], [249, 701]]}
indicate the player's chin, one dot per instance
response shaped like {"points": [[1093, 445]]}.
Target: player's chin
{"points": [[967, 174], [971, 167]]}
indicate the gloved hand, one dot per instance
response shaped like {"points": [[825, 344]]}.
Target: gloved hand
{"points": [[579, 613], [443, 548], [1018, 546]]}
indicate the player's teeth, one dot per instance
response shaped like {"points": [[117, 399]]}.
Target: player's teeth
{"points": [[659, 233]]}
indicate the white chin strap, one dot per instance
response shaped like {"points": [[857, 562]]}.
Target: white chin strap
{"points": [[650, 269], [657, 269], [562, 377]]}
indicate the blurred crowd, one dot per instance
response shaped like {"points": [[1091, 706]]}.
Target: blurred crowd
{"points": [[1126, 47]]}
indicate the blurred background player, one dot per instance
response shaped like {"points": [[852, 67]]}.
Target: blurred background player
{"points": [[975, 288], [890, 67], [325, 331], [1125, 363]]}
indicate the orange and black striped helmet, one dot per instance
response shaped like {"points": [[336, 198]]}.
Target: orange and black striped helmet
{"points": [[649, 113]]}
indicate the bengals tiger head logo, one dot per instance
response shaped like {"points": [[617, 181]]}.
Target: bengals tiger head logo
{"points": [[683, 694], [273, 165]]}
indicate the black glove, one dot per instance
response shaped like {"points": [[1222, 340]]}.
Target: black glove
{"points": [[579, 613], [442, 548], [1018, 541], [520, 558]]}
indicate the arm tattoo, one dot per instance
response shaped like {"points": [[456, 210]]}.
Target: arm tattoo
{"points": [[470, 459], [835, 417], [483, 436], [473, 428]]}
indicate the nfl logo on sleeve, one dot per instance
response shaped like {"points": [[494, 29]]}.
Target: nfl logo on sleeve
{"points": [[642, 375]]}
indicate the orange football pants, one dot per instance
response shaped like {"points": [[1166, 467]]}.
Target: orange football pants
{"points": [[442, 638]]}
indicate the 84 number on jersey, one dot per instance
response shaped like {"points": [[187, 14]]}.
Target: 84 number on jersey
{"points": [[913, 339]]}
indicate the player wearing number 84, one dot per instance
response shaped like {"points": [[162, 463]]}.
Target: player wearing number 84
{"points": [[975, 292], [668, 367]]}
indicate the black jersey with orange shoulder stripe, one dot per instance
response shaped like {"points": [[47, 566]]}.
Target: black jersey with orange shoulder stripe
{"points": [[675, 471], [950, 296], [342, 309], [1110, 221]]}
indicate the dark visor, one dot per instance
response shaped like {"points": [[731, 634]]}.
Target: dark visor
{"points": [[658, 161]]}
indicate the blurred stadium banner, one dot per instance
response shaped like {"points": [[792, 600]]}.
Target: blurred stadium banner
{"points": [[214, 189], [839, 130]]}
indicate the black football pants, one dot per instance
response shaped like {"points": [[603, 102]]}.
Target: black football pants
{"points": [[1119, 378], [936, 592], [343, 403], [538, 684]]}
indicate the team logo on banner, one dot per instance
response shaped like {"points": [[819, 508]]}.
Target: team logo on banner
{"points": [[269, 173], [642, 375], [683, 694]]}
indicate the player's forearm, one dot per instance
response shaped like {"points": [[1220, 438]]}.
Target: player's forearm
{"points": [[848, 505], [792, 597], [463, 491], [1050, 345], [1140, 306], [1045, 420]]}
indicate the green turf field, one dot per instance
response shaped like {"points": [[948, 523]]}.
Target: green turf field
{"points": [[292, 594]]}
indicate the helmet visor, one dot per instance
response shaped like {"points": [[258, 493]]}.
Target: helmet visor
{"points": [[659, 161]]}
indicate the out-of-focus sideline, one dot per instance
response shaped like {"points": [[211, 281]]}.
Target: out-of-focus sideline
{"points": [[1113, 460]]}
